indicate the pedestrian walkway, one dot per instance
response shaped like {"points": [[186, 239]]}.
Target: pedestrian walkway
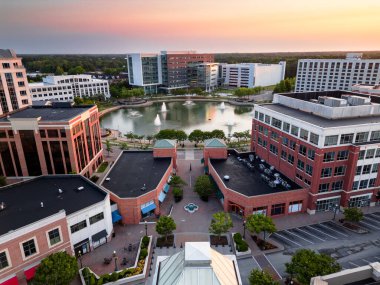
{"points": [[246, 265], [189, 154], [267, 266]]}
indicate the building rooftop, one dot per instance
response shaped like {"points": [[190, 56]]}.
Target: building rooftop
{"points": [[23, 200], [7, 53], [165, 144], [250, 181], [133, 170], [48, 113]]}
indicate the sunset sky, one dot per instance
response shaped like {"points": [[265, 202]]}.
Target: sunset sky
{"points": [[120, 26]]}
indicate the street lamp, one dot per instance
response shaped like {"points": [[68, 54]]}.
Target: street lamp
{"points": [[115, 257], [146, 228], [244, 226], [335, 209], [80, 258]]}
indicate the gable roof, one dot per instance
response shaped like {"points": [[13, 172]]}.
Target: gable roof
{"points": [[165, 144], [215, 143]]}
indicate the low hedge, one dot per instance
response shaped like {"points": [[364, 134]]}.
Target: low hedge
{"points": [[144, 242], [143, 253], [241, 244]]}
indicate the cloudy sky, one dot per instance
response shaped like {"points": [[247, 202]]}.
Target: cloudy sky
{"points": [[120, 26]]}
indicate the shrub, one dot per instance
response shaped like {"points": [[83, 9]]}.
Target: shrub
{"points": [[143, 253], [94, 178], [92, 280], [242, 246], [238, 238], [145, 242], [177, 192], [114, 276], [100, 281], [106, 278]]}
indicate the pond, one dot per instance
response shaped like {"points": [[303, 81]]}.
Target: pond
{"points": [[186, 116]]}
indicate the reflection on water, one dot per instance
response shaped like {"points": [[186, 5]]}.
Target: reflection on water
{"points": [[206, 116]]}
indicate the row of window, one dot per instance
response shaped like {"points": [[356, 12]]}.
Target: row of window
{"points": [[363, 184], [352, 138], [366, 169], [279, 209], [338, 171], [83, 224], [369, 153], [325, 187], [30, 248]]}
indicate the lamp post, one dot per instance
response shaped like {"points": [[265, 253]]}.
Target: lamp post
{"points": [[244, 226], [115, 257], [335, 209], [146, 228], [80, 258]]}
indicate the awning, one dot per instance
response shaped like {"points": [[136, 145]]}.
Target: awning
{"points": [[162, 196], [148, 208], [11, 281], [29, 273], [166, 188], [98, 236], [116, 216]]}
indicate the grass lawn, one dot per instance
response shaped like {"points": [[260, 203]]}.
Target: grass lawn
{"points": [[102, 167]]}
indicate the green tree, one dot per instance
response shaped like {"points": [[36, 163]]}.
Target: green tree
{"points": [[180, 135], [58, 268], [77, 70], [306, 264], [354, 214], [168, 134], [177, 181], [130, 136], [219, 134], [3, 181], [108, 147], [196, 136], [123, 146], [165, 226], [261, 277], [59, 70], [258, 223], [149, 138], [220, 224], [204, 187]]}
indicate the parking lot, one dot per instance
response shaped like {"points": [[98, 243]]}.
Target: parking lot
{"points": [[327, 231], [360, 262]]}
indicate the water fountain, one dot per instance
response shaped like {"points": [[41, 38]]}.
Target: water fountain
{"points": [[157, 121], [191, 208], [188, 103], [134, 114], [163, 108], [222, 106]]}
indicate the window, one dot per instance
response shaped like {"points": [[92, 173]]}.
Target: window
{"points": [[256, 115], [361, 137], [294, 131], [329, 156], [342, 155], [96, 218], [377, 154], [331, 140], [372, 182], [276, 123], [366, 169], [285, 141], [326, 172], [340, 170], [337, 185], [77, 227], [311, 154], [323, 187], [295, 206], [326, 204], [304, 134], [52, 133], [286, 127], [267, 119], [54, 236], [370, 153], [274, 136], [375, 136], [292, 145], [290, 158], [361, 154], [358, 170], [363, 184], [302, 149], [308, 182], [283, 154], [261, 117], [346, 138], [309, 169], [3, 260], [260, 210], [375, 167], [314, 138], [355, 185], [6, 65], [277, 209], [29, 248], [300, 164]]}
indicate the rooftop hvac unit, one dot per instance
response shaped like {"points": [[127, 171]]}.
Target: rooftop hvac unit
{"points": [[358, 100], [321, 99], [314, 100], [80, 188], [335, 102]]}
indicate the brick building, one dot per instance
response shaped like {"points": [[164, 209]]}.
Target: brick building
{"points": [[138, 182], [55, 139], [326, 142], [14, 90], [57, 213]]}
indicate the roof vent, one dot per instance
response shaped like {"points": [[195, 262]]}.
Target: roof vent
{"points": [[80, 188], [2, 206], [60, 191], [226, 177], [108, 179], [42, 204], [143, 188]]}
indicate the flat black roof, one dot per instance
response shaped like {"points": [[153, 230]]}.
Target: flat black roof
{"points": [[320, 121], [23, 200], [246, 181], [48, 113], [132, 170]]}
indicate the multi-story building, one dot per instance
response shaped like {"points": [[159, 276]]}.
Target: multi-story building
{"points": [[14, 90], [203, 75], [55, 139], [252, 74], [67, 87], [366, 89], [167, 70], [144, 70], [326, 142], [49, 214], [336, 74]]}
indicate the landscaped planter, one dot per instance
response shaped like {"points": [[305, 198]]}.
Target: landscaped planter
{"points": [[135, 268], [240, 254], [354, 228]]}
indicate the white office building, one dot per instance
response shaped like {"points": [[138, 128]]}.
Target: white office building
{"points": [[252, 74], [203, 75], [66, 87], [366, 89], [336, 74]]}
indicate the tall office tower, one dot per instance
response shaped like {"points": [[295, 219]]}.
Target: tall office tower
{"points": [[14, 90], [203, 75], [336, 74]]}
